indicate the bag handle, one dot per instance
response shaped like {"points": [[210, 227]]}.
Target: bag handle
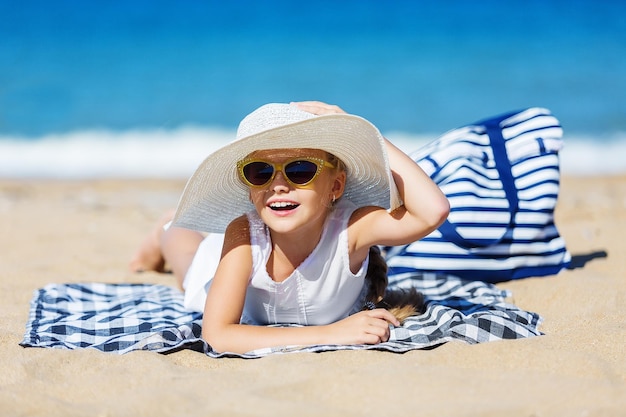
{"points": [[503, 166]]}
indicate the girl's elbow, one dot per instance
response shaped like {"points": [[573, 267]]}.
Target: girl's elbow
{"points": [[206, 336], [213, 339], [441, 210], [428, 222], [436, 216]]}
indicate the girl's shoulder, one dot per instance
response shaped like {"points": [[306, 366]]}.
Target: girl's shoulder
{"points": [[238, 223], [237, 232]]}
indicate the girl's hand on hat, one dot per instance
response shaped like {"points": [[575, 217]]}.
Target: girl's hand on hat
{"points": [[318, 107], [365, 327]]}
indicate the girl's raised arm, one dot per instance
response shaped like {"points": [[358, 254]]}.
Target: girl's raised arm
{"points": [[425, 206]]}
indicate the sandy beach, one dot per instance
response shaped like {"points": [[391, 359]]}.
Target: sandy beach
{"points": [[85, 231]]}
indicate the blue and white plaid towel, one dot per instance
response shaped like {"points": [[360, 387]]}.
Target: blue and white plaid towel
{"points": [[126, 317]]}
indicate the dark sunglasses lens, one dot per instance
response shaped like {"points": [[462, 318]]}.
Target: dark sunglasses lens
{"points": [[258, 173], [300, 172]]}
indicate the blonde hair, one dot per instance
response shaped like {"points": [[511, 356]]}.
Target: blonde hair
{"points": [[402, 303]]}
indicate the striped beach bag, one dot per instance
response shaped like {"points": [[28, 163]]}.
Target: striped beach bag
{"points": [[501, 176]]}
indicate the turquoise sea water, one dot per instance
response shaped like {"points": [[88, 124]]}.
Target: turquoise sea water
{"points": [[147, 88]]}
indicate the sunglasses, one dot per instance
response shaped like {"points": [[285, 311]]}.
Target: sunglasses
{"points": [[298, 172]]}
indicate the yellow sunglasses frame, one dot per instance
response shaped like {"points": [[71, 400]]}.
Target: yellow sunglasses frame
{"points": [[319, 163]]}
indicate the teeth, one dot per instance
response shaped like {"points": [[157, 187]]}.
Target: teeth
{"points": [[281, 204]]}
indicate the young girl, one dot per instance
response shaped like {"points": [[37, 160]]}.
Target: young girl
{"points": [[301, 196]]}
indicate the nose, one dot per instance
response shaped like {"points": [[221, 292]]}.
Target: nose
{"points": [[279, 182]]}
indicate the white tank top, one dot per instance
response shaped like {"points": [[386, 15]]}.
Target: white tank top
{"points": [[320, 291]]}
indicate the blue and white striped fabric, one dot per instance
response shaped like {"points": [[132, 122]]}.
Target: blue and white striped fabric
{"points": [[501, 177], [127, 317]]}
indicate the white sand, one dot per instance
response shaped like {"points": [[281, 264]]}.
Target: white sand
{"points": [[60, 231]]}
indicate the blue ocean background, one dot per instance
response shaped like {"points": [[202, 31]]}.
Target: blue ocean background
{"points": [[148, 88]]}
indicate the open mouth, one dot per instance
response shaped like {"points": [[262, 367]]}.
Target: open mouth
{"points": [[283, 205]]}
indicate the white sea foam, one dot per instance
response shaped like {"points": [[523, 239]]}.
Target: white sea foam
{"points": [[107, 154], [584, 157], [176, 153]]}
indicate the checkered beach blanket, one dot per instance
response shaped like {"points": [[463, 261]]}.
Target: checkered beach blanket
{"points": [[127, 317]]}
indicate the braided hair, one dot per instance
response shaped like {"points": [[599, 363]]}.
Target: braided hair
{"points": [[400, 302]]}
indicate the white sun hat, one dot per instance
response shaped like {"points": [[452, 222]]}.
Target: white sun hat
{"points": [[215, 195]]}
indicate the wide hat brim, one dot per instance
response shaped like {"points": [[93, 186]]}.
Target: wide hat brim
{"points": [[215, 195]]}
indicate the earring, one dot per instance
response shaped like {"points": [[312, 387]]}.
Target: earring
{"points": [[334, 198]]}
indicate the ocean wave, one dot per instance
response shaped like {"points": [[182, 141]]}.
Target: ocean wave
{"points": [[159, 153]]}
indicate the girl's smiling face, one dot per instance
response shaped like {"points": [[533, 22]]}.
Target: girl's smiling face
{"points": [[286, 208]]}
